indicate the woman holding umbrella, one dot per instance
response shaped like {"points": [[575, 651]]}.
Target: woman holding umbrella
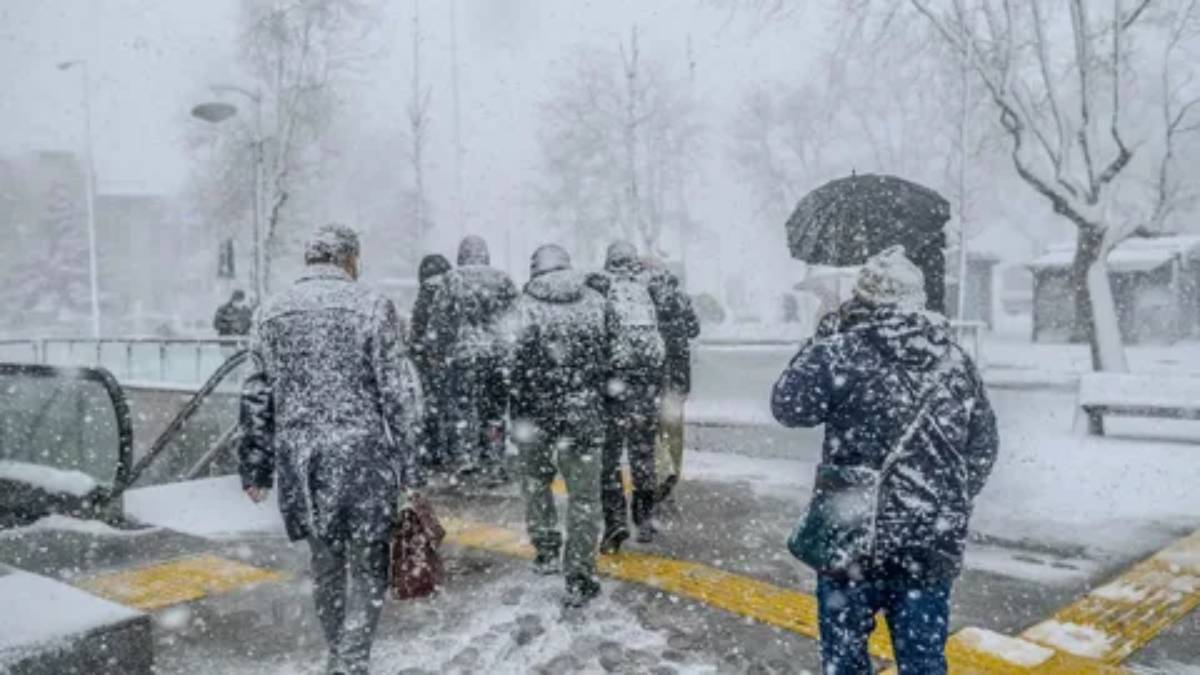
{"points": [[910, 439]]}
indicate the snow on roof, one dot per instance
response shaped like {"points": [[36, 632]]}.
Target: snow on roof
{"points": [[52, 480], [50, 612], [1139, 254]]}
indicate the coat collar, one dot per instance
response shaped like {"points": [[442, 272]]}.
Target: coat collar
{"points": [[324, 271]]}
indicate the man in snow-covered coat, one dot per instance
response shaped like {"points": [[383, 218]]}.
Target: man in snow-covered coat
{"points": [[466, 312], [910, 438], [331, 408], [636, 358], [559, 355], [428, 353], [678, 325]]}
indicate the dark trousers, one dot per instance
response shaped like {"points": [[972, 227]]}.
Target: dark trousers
{"points": [[918, 617], [478, 402], [435, 434], [350, 580], [631, 423]]}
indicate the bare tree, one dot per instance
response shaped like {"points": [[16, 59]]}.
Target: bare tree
{"points": [[297, 52], [1070, 118], [618, 140], [418, 134]]}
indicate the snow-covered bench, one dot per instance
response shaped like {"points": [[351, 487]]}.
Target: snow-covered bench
{"points": [[1129, 395]]}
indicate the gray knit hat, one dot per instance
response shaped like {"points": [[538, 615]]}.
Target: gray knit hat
{"points": [[331, 243], [890, 278]]}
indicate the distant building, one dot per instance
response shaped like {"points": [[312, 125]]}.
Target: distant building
{"points": [[1156, 286], [980, 304], [155, 273]]}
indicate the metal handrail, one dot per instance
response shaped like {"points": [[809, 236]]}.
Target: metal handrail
{"points": [[87, 351], [181, 419]]}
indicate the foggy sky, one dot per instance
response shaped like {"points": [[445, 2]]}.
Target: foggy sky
{"points": [[151, 60]]}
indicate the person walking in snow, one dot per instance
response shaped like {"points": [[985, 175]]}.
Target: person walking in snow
{"points": [[429, 355], [910, 438], [636, 359], [559, 357], [330, 413], [233, 318], [466, 310], [678, 325]]}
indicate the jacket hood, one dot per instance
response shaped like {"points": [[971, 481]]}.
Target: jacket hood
{"points": [[915, 339], [622, 256], [432, 266], [558, 287], [548, 258], [473, 251]]}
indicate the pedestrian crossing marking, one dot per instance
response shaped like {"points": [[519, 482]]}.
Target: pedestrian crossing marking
{"points": [[171, 583], [969, 651], [1114, 620]]}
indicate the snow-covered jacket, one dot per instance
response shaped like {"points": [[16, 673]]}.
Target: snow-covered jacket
{"points": [[468, 306], [426, 348], [636, 347], [558, 352], [332, 407], [678, 324], [864, 376]]}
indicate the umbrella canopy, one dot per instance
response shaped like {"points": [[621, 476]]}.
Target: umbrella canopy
{"points": [[848, 220]]}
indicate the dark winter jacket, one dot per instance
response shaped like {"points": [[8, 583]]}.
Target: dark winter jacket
{"points": [[467, 307], [863, 376], [233, 319], [678, 324], [556, 336], [633, 332], [332, 407], [425, 345]]}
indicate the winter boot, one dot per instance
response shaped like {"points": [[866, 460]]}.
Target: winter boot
{"points": [[547, 562], [664, 490], [646, 532], [581, 588], [612, 540]]}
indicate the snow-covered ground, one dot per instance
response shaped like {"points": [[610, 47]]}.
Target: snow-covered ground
{"points": [[40, 613]]}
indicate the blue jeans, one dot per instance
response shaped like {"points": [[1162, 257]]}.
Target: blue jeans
{"points": [[918, 616]]}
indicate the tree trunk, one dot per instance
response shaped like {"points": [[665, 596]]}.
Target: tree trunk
{"points": [[1096, 319], [1087, 251]]}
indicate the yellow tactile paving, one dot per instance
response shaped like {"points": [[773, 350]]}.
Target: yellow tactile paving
{"points": [[170, 583], [757, 600], [1115, 620], [559, 487], [969, 652]]}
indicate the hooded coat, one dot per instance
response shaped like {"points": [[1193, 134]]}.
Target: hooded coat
{"points": [[556, 336], [466, 309], [331, 407], [678, 324], [431, 275], [865, 376], [634, 332]]}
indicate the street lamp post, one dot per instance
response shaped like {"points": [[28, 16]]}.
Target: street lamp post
{"points": [[215, 113], [89, 190]]}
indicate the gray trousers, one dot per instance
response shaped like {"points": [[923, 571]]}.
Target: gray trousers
{"points": [[350, 579], [578, 458]]}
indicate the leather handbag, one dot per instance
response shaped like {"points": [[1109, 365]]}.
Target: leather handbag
{"points": [[417, 568]]}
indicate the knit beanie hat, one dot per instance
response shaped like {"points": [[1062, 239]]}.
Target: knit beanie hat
{"points": [[890, 278], [333, 243]]}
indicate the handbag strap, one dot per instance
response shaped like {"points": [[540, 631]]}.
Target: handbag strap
{"points": [[922, 408]]}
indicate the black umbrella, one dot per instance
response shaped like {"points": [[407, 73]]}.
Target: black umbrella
{"points": [[846, 221]]}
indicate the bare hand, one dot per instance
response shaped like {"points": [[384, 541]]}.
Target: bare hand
{"points": [[257, 495]]}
